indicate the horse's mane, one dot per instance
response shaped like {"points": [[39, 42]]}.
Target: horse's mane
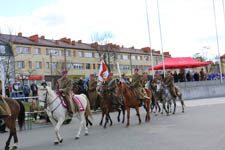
{"points": [[129, 89]]}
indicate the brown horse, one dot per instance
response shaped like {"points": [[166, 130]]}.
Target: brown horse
{"points": [[107, 106], [17, 111], [131, 101]]}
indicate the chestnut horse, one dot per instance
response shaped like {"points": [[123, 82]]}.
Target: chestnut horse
{"points": [[107, 106], [131, 101], [17, 111]]}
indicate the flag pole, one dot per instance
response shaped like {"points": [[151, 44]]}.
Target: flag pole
{"points": [[217, 40], [161, 38], [149, 37]]}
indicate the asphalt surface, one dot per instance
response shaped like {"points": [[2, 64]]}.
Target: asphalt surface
{"points": [[201, 127]]}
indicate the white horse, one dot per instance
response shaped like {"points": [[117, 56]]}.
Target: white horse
{"points": [[57, 113]]}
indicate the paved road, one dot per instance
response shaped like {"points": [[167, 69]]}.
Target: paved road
{"points": [[201, 127]]}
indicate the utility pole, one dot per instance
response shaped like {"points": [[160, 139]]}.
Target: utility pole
{"points": [[51, 68]]}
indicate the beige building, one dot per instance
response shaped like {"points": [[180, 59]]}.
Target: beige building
{"points": [[34, 55]]}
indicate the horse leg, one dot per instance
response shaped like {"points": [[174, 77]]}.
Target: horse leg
{"points": [[106, 120], [164, 107], [79, 116], [110, 120], [123, 109], [118, 117], [84, 124], [138, 114], [182, 102], [175, 105], [128, 116], [57, 127], [9, 139], [102, 118], [147, 110], [15, 145]]}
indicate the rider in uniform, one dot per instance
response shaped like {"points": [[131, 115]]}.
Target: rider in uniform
{"points": [[92, 85], [169, 81], [65, 86], [137, 84], [112, 90], [4, 108], [157, 77]]}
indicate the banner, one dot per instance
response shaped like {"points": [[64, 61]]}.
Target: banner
{"points": [[103, 71]]}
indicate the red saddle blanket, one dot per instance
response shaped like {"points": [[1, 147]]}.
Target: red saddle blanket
{"points": [[75, 99]]}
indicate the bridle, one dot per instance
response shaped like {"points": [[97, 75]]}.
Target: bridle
{"points": [[45, 100]]}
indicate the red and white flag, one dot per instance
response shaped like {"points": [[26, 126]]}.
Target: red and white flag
{"points": [[103, 71]]}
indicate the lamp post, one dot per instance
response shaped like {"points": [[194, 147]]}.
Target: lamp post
{"points": [[51, 68]]}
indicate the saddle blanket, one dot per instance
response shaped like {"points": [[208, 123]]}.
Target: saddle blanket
{"points": [[75, 99]]}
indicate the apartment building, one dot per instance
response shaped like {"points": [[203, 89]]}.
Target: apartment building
{"points": [[37, 56]]}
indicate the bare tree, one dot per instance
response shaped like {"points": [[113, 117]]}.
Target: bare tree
{"points": [[106, 50]]}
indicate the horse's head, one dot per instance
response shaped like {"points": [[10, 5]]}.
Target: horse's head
{"points": [[158, 85], [43, 95]]}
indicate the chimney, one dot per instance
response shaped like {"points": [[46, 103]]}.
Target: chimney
{"points": [[42, 37], [65, 40], [57, 42], [146, 49], [94, 45], [34, 38], [79, 41], [73, 43], [20, 34], [167, 53], [158, 52], [132, 47]]}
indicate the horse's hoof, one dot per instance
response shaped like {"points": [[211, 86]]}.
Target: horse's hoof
{"points": [[86, 134], [6, 148], [14, 147], [76, 138], [61, 141], [56, 143]]}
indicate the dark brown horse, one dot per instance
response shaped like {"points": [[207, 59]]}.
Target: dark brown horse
{"points": [[17, 111], [131, 101], [107, 106]]}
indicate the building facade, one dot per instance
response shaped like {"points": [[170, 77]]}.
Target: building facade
{"points": [[37, 56]]}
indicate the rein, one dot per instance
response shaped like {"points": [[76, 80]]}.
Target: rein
{"points": [[49, 104]]}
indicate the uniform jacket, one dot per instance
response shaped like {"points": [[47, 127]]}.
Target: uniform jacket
{"points": [[137, 81]]}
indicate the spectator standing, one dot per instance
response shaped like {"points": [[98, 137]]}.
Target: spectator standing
{"points": [[16, 88], [34, 89], [26, 91], [175, 76], [188, 76], [202, 74], [196, 76]]}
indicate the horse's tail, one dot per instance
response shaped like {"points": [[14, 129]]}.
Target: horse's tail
{"points": [[88, 108], [21, 116]]}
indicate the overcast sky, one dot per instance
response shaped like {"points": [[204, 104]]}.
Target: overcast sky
{"points": [[187, 25]]}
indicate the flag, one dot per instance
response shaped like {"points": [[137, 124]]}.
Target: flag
{"points": [[118, 67], [103, 71]]}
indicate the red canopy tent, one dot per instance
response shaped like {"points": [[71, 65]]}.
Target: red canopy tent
{"points": [[180, 63]]}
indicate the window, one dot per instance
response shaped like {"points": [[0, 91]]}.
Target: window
{"points": [[30, 64], [2, 49], [93, 66], [133, 57], [74, 53], [88, 66], [78, 66], [37, 51], [138, 57], [125, 57], [99, 66], [54, 65], [88, 54], [38, 65], [96, 55], [47, 65], [146, 67], [67, 52], [80, 54], [146, 58], [20, 64], [118, 56], [22, 50], [125, 67], [55, 52]]}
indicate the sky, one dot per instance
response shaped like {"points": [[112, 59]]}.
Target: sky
{"points": [[187, 26]]}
